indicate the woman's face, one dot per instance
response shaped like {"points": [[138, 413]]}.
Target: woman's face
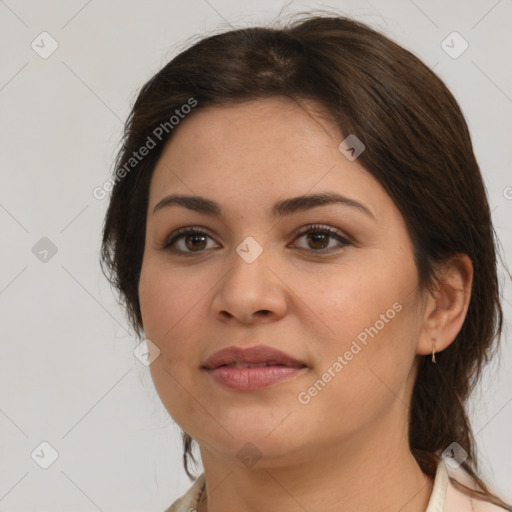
{"points": [[344, 304]]}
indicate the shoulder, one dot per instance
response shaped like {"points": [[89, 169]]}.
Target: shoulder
{"points": [[456, 500], [189, 501]]}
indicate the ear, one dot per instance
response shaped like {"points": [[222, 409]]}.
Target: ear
{"points": [[447, 306]]}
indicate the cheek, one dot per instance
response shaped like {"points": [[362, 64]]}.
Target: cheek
{"points": [[348, 302], [372, 324], [170, 307], [166, 300]]}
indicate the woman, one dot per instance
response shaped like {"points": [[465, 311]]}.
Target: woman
{"points": [[299, 227]]}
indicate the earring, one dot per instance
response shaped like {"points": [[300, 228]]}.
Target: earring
{"points": [[433, 350]]}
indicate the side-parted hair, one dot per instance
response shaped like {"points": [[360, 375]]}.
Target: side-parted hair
{"points": [[418, 147]]}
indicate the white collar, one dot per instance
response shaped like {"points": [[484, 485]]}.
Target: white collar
{"points": [[438, 496]]}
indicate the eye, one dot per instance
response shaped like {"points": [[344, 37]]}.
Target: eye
{"points": [[317, 237], [187, 240]]}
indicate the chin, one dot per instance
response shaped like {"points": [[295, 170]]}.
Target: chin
{"points": [[270, 444]]}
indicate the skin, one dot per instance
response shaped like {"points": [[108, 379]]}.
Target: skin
{"points": [[347, 449]]}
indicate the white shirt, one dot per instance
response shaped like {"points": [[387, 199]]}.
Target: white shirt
{"points": [[444, 498]]}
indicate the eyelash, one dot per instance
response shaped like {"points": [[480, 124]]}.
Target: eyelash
{"points": [[312, 228]]}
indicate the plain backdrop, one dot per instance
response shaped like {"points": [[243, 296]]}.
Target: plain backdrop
{"points": [[68, 375]]}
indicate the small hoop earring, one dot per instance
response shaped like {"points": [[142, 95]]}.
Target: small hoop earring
{"points": [[433, 350]]}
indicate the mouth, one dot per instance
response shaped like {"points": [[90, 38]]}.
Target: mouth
{"points": [[252, 368], [253, 357], [241, 364]]}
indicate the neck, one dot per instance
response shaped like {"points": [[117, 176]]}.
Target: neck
{"points": [[364, 472]]}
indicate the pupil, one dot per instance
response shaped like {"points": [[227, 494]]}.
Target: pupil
{"points": [[318, 238], [194, 245]]}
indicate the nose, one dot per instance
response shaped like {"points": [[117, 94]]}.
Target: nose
{"points": [[250, 292]]}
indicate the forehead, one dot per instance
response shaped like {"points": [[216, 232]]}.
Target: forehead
{"points": [[249, 152], [267, 124]]}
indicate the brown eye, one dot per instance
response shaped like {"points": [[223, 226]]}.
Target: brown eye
{"points": [[195, 242], [319, 237], [187, 240], [318, 240]]}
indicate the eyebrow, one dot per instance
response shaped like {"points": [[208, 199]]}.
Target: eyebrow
{"points": [[282, 208]]}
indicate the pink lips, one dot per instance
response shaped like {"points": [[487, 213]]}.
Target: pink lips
{"points": [[252, 368]]}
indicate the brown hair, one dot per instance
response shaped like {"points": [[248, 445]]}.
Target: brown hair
{"points": [[417, 146]]}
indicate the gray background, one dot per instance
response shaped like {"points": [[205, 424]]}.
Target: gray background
{"points": [[68, 375]]}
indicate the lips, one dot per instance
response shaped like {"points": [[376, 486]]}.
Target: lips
{"points": [[252, 369], [254, 357]]}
